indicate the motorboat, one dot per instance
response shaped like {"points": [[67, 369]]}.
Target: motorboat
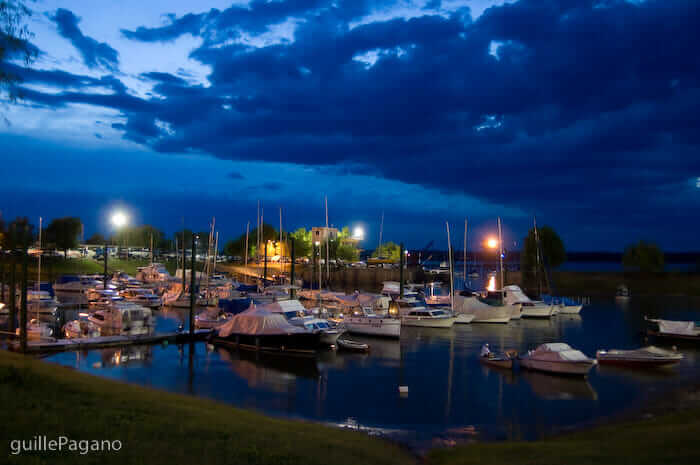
{"points": [[562, 305], [497, 298], [36, 330], [464, 318], [352, 346], [76, 284], [429, 318], [80, 328], [558, 358], [262, 330], [365, 321], [645, 357], [442, 269], [293, 311], [211, 319], [141, 296], [513, 295], [434, 294], [467, 302], [122, 317], [153, 273], [622, 292], [688, 330]]}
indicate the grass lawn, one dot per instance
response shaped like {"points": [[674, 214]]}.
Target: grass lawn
{"points": [[53, 267], [156, 427]]}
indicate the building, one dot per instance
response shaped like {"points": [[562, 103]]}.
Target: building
{"points": [[319, 234]]}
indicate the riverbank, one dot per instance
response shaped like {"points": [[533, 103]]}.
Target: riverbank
{"points": [[157, 427]]}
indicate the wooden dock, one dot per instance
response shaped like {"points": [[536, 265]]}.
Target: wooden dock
{"points": [[85, 343]]}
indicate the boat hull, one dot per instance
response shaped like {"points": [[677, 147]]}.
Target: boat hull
{"points": [[382, 327], [516, 312], [636, 363], [295, 343], [558, 367], [537, 311], [497, 362], [569, 309], [464, 318], [429, 322]]}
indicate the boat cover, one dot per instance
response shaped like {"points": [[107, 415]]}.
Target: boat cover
{"points": [[357, 299], [259, 321], [555, 347], [686, 328], [517, 293], [563, 352]]}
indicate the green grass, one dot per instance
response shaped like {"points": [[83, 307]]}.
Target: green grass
{"points": [[53, 267], [668, 440], [156, 427]]}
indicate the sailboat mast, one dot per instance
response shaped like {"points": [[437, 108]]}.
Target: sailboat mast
{"points": [[464, 259], [247, 230], [257, 233], [328, 275], [537, 255], [381, 230], [38, 274], [449, 257], [500, 254]]}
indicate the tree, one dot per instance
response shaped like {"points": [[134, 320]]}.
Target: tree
{"points": [[645, 256], [388, 250], [64, 233], [96, 239], [302, 242], [347, 252], [14, 42], [552, 252], [19, 234]]}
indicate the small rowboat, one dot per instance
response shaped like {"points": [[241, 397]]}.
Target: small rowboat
{"points": [[353, 346], [504, 360], [645, 357]]}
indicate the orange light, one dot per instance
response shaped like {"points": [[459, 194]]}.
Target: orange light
{"points": [[491, 242], [492, 284]]}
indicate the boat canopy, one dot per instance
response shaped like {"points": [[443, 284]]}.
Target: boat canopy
{"points": [[685, 328], [556, 347], [259, 321], [564, 351], [357, 299]]}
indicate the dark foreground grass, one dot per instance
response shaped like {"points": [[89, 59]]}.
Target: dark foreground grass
{"points": [[156, 427], [666, 440]]}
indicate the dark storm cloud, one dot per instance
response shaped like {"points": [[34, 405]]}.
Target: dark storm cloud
{"points": [[95, 54], [575, 109]]}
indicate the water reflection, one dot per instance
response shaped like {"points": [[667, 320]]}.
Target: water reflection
{"points": [[450, 393]]}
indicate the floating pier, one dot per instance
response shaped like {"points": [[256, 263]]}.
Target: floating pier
{"points": [[85, 343]]}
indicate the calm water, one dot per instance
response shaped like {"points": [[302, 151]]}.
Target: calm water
{"points": [[450, 393]]}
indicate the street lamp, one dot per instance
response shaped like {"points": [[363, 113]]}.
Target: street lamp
{"points": [[492, 243], [358, 233], [119, 220]]}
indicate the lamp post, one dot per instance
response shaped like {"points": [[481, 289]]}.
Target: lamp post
{"points": [[318, 246], [119, 220]]}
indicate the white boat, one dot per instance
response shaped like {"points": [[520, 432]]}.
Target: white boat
{"points": [[622, 292], [563, 309], [153, 273], [211, 319], [123, 317], [36, 330], [368, 323], [464, 318], [513, 295], [141, 296], [294, 312], [76, 284], [80, 328], [429, 318], [676, 329], [442, 269], [645, 357], [559, 358], [467, 303]]}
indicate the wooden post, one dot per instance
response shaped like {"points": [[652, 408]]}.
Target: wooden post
{"points": [[13, 285], [192, 293], [401, 262], [23, 306], [291, 277]]}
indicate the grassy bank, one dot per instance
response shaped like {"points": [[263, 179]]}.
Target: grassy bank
{"points": [[155, 427], [670, 439]]}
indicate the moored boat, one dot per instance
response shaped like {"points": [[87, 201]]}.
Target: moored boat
{"points": [[352, 346], [429, 318], [644, 357], [558, 358], [262, 330], [513, 295], [467, 303], [686, 330], [368, 323]]}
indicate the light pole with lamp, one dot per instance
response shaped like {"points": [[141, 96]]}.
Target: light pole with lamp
{"points": [[119, 220]]}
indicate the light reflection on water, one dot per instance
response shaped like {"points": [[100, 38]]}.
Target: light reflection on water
{"points": [[450, 392]]}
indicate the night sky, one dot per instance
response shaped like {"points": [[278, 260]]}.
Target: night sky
{"points": [[584, 113]]}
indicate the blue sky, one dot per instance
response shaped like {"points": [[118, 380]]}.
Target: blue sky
{"points": [[584, 113]]}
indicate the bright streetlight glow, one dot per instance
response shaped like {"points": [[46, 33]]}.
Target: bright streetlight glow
{"points": [[358, 233], [492, 243], [119, 219]]}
